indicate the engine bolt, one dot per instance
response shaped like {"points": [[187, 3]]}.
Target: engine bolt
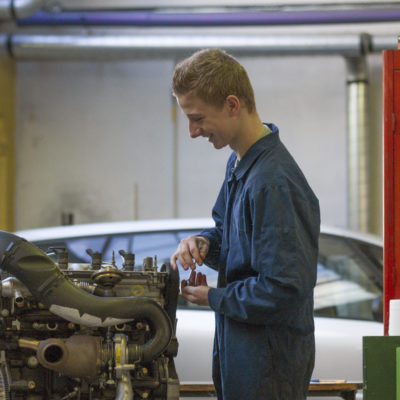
{"points": [[145, 371], [139, 325], [145, 395], [71, 325], [5, 312], [32, 362], [31, 385]]}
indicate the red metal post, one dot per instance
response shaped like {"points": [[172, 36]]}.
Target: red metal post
{"points": [[391, 125]]}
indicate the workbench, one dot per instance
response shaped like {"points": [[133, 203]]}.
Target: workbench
{"points": [[346, 391]]}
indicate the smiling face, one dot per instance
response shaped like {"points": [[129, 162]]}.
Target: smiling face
{"points": [[214, 123]]}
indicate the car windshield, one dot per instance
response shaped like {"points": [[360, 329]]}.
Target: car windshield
{"points": [[349, 283]]}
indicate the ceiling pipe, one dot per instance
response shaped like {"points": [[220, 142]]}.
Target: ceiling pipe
{"points": [[382, 42], [251, 18], [10, 9], [210, 4], [123, 47]]}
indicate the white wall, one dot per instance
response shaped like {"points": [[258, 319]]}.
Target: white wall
{"points": [[87, 132]]}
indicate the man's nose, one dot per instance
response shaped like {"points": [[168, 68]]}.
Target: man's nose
{"points": [[194, 130]]}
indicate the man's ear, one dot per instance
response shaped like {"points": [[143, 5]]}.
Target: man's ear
{"points": [[233, 104]]}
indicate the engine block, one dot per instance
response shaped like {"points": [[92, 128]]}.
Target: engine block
{"points": [[85, 331]]}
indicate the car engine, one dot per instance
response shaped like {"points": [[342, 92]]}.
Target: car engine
{"points": [[85, 331]]}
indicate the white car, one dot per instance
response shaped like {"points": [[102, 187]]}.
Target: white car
{"points": [[348, 295]]}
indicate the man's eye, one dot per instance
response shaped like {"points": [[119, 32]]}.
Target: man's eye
{"points": [[196, 119]]}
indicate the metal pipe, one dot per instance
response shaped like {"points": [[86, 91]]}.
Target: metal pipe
{"points": [[358, 145], [382, 42], [28, 343], [125, 47], [9, 287], [122, 47], [124, 387], [251, 18], [123, 368]]}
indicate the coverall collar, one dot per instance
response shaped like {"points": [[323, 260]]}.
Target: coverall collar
{"points": [[255, 150]]}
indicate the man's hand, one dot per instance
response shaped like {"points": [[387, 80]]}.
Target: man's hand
{"points": [[195, 289], [190, 251]]}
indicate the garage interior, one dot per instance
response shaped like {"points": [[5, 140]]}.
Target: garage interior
{"points": [[90, 131], [83, 76]]}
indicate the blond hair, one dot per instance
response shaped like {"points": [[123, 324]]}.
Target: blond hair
{"points": [[212, 75]]}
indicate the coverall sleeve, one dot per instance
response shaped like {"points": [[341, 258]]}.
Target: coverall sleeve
{"points": [[284, 251]]}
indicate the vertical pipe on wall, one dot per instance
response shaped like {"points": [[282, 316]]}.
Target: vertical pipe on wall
{"points": [[7, 168], [358, 145]]}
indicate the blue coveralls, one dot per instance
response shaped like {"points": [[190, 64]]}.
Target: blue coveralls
{"points": [[265, 247]]}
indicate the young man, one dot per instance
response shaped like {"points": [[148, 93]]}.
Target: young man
{"points": [[264, 243]]}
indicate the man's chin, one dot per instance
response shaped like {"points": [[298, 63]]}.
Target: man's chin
{"points": [[218, 146]]}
